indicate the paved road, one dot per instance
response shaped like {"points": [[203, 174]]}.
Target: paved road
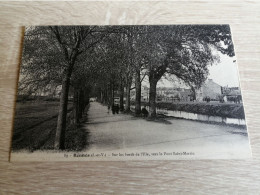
{"points": [[108, 132]]}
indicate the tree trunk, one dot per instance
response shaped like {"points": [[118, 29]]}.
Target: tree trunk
{"points": [[193, 93], [61, 123], [137, 93], [101, 96], [81, 103], [86, 99], [121, 106], [127, 102], [109, 95], [152, 97], [76, 106], [113, 94]]}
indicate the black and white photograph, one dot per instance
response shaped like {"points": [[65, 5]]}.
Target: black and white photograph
{"points": [[129, 92]]}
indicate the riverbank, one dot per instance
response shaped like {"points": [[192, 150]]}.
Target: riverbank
{"points": [[229, 110]]}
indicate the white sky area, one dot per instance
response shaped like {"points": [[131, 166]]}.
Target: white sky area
{"points": [[224, 73]]}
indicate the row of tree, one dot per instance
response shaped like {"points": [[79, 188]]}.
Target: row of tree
{"points": [[103, 59]]}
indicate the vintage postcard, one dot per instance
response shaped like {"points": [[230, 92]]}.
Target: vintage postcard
{"points": [[139, 92]]}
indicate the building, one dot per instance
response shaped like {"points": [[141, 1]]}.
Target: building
{"points": [[144, 94], [231, 94], [168, 94], [209, 89], [225, 90], [164, 94], [185, 95]]}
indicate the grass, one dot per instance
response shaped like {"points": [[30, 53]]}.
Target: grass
{"points": [[35, 126]]}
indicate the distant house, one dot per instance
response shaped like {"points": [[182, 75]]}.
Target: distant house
{"points": [[164, 94], [144, 94], [209, 89], [185, 95], [172, 97], [233, 95], [225, 90], [173, 94]]}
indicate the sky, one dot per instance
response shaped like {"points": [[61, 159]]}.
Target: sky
{"points": [[225, 73]]}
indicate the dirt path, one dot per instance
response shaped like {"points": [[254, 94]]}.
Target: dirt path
{"points": [[108, 132]]}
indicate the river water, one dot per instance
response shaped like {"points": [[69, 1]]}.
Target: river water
{"points": [[199, 117]]}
